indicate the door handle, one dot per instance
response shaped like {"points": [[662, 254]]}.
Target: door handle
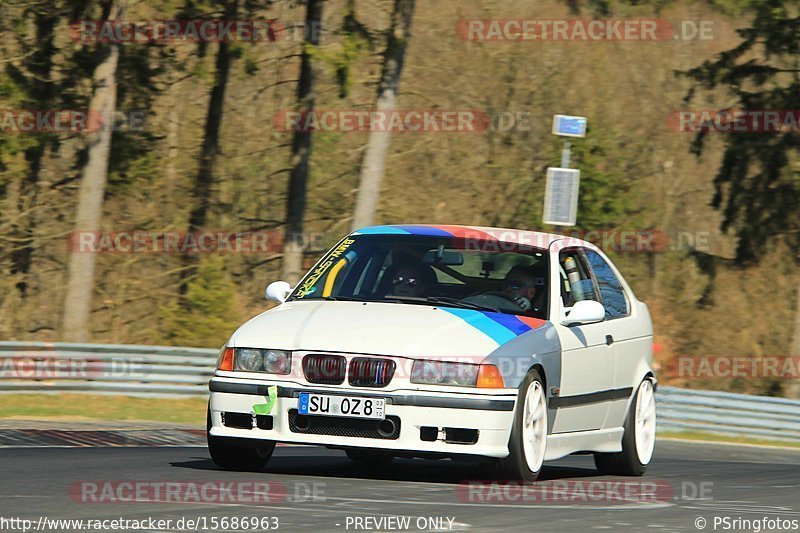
{"points": [[609, 340]]}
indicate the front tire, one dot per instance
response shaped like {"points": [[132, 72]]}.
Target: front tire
{"points": [[528, 440], [236, 457], [638, 440]]}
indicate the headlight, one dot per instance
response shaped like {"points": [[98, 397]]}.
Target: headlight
{"points": [[442, 373], [259, 360], [277, 361], [249, 360]]}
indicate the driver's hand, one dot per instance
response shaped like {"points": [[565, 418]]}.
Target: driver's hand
{"points": [[523, 303]]}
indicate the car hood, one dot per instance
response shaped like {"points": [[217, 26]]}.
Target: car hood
{"points": [[394, 329]]}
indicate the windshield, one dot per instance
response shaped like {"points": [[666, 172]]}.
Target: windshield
{"points": [[441, 271]]}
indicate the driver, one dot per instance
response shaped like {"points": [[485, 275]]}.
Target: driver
{"points": [[520, 286], [517, 292]]}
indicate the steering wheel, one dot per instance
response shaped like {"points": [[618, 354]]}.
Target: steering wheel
{"points": [[501, 294], [520, 303]]}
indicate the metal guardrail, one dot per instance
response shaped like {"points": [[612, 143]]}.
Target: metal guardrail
{"points": [[105, 368], [170, 371], [727, 413]]}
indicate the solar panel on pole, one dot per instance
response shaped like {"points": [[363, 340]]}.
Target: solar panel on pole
{"points": [[561, 196]]}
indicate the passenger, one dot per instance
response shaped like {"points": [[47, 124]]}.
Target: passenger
{"points": [[413, 280]]}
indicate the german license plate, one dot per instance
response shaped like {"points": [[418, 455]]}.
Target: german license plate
{"points": [[349, 406]]}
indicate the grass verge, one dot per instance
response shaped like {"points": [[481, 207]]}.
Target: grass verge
{"points": [[101, 407], [699, 435]]}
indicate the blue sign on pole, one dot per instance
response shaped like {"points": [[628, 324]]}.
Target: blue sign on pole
{"points": [[568, 126]]}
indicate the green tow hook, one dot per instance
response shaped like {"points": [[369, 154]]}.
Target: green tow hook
{"points": [[266, 408]]}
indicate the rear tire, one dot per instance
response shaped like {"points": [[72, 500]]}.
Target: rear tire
{"points": [[528, 441], [639, 439], [369, 457], [230, 456]]}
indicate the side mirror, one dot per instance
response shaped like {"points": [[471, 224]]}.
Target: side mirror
{"points": [[278, 291], [584, 312]]}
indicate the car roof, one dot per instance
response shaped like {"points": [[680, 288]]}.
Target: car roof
{"points": [[517, 236]]}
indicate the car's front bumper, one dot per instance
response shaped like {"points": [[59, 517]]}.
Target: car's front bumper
{"points": [[490, 414]]}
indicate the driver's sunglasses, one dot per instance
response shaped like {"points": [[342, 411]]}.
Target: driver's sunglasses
{"points": [[402, 280]]}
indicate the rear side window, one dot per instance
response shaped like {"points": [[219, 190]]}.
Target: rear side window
{"points": [[614, 299], [576, 279]]}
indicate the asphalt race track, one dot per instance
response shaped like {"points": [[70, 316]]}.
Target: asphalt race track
{"points": [[322, 490]]}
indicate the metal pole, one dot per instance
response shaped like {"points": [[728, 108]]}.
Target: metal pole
{"points": [[565, 154]]}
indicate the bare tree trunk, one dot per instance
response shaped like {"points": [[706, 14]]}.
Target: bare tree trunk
{"points": [[378, 144], [294, 243], [210, 149], [80, 270], [792, 387], [795, 348]]}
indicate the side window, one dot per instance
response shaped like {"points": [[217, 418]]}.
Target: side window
{"points": [[576, 281], [614, 299]]}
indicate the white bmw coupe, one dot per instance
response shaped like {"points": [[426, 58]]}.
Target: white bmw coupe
{"points": [[502, 346]]}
